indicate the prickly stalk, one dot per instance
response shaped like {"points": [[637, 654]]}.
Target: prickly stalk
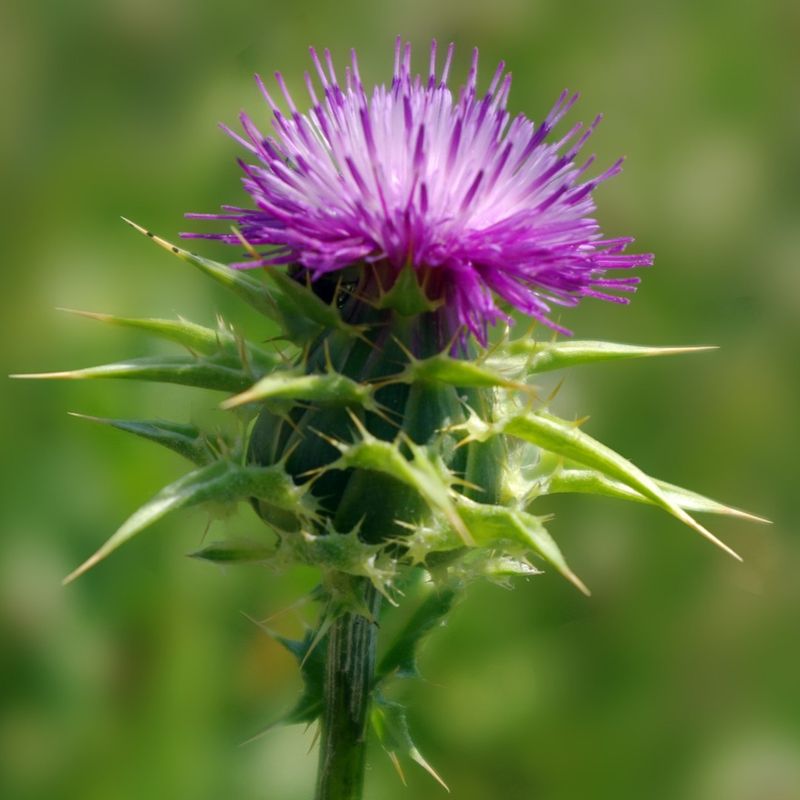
{"points": [[349, 674]]}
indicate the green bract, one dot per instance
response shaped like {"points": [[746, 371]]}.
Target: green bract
{"points": [[376, 455]]}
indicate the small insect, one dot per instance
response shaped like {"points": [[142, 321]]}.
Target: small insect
{"points": [[326, 287]]}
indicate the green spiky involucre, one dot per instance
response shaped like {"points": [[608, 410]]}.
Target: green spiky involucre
{"points": [[377, 456]]}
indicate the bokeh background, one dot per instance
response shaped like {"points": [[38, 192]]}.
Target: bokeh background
{"points": [[677, 679]]}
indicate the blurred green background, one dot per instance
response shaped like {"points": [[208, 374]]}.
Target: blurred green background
{"points": [[677, 679]]}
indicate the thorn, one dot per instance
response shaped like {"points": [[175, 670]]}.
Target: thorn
{"points": [[88, 417], [306, 354], [323, 629], [367, 300], [736, 512], [692, 349], [292, 607], [381, 291], [364, 433], [134, 225], [238, 400], [493, 348], [409, 355], [85, 567], [251, 251], [383, 412], [314, 473], [88, 314], [692, 523], [259, 625], [286, 417], [453, 339], [468, 439], [241, 347], [260, 735], [179, 251], [380, 383], [467, 484], [314, 739], [396, 764], [207, 529], [556, 390], [417, 756], [222, 445], [340, 446], [287, 453], [65, 375], [279, 352], [327, 352], [385, 594], [576, 581]]}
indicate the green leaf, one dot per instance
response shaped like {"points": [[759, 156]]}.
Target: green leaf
{"points": [[590, 482], [186, 440], [391, 727], [491, 524], [326, 389], [252, 291], [197, 338], [566, 439], [441, 368], [546, 356], [239, 552], [218, 482], [220, 373], [401, 657]]}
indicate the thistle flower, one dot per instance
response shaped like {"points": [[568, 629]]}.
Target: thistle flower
{"points": [[490, 213], [372, 449]]}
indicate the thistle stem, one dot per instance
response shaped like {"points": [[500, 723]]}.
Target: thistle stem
{"points": [[348, 682]]}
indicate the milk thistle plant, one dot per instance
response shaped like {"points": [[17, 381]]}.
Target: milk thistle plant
{"points": [[391, 433]]}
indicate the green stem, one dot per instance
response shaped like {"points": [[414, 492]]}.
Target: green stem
{"points": [[348, 681]]}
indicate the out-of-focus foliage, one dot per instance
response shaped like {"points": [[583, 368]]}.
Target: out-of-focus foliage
{"points": [[677, 679]]}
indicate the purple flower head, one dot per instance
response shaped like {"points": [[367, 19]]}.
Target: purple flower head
{"points": [[485, 207]]}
